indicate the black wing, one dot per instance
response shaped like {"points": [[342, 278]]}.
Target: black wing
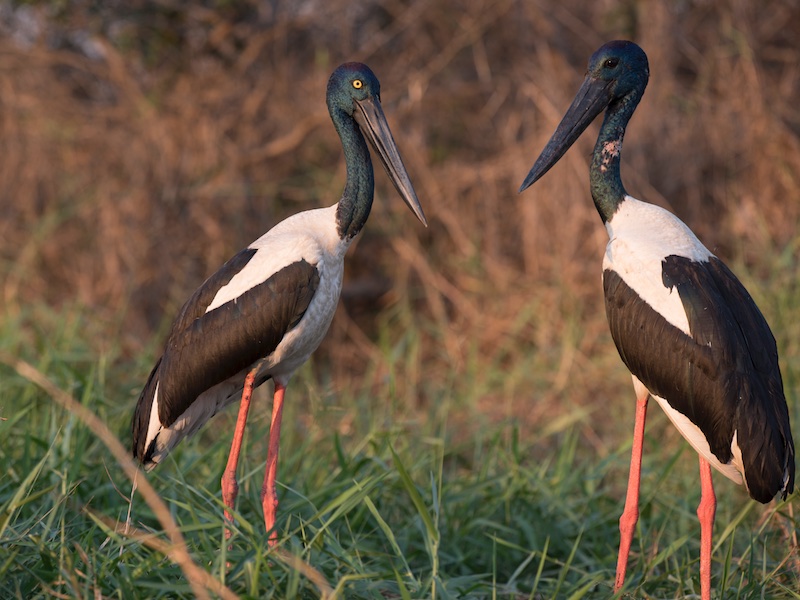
{"points": [[724, 377], [206, 348], [218, 344]]}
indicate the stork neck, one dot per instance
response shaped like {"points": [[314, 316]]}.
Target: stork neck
{"points": [[359, 188], [606, 184]]}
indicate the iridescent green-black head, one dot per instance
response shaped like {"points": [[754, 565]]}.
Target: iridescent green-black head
{"points": [[615, 79], [351, 83], [354, 93], [623, 66]]}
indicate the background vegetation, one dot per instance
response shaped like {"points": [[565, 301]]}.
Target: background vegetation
{"points": [[464, 429]]}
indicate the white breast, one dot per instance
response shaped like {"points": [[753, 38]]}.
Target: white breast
{"points": [[299, 343]]}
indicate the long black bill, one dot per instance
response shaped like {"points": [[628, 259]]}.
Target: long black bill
{"points": [[372, 121], [592, 98]]}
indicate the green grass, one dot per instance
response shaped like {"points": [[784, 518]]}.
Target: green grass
{"points": [[383, 499]]}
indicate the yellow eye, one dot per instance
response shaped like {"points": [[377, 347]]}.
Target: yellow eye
{"points": [[357, 83]]}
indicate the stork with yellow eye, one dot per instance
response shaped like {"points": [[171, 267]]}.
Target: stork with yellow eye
{"points": [[266, 310]]}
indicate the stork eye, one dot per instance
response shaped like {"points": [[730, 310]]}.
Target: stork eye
{"points": [[358, 84], [611, 63]]}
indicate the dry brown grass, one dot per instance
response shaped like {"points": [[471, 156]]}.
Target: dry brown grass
{"points": [[126, 180]]}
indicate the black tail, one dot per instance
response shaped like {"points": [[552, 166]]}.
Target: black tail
{"points": [[766, 441]]}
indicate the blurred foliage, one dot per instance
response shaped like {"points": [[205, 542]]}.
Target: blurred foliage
{"points": [[143, 143]]}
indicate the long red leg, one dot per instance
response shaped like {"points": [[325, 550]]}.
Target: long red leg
{"points": [[269, 497], [230, 487], [706, 511], [630, 515]]}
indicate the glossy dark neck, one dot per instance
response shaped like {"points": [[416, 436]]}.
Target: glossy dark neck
{"points": [[359, 188], [606, 184]]}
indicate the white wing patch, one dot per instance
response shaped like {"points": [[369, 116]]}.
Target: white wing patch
{"points": [[641, 236], [305, 236]]}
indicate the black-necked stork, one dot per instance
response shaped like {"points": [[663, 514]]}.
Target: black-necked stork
{"points": [[268, 308], [684, 325]]}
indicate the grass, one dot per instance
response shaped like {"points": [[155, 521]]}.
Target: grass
{"points": [[376, 499]]}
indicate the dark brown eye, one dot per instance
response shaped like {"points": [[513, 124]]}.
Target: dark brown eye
{"points": [[611, 63]]}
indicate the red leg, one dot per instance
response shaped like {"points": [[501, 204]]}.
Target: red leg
{"points": [[230, 487], [269, 497], [630, 515], [706, 512]]}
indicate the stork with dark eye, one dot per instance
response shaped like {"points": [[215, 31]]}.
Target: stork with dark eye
{"points": [[683, 324]]}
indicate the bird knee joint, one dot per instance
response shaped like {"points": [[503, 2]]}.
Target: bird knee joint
{"points": [[229, 483], [706, 510], [628, 520]]}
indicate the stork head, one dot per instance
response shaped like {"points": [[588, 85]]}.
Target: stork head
{"points": [[617, 73], [353, 90]]}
